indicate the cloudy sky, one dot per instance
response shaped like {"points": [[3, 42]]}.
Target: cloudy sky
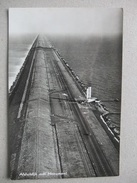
{"points": [[79, 21]]}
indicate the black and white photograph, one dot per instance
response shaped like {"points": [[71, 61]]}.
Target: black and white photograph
{"points": [[64, 89]]}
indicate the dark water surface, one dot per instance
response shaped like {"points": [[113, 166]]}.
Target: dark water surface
{"points": [[19, 46], [97, 61]]}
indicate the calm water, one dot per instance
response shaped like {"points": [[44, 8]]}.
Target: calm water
{"points": [[97, 62], [18, 49]]}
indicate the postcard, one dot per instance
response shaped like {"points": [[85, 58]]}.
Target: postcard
{"points": [[65, 74]]}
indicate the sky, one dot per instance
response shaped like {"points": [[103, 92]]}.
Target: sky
{"points": [[60, 21]]}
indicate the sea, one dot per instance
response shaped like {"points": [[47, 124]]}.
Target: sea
{"points": [[19, 46], [97, 60]]}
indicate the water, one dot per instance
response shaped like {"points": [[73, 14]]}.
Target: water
{"points": [[98, 63], [19, 46]]}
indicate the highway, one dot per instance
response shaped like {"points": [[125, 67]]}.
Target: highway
{"points": [[51, 135]]}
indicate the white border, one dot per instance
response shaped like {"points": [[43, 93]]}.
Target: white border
{"points": [[128, 157]]}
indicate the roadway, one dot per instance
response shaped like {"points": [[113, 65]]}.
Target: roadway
{"points": [[52, 136]]}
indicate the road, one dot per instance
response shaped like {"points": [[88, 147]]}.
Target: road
{"points": [[51, 135]]}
